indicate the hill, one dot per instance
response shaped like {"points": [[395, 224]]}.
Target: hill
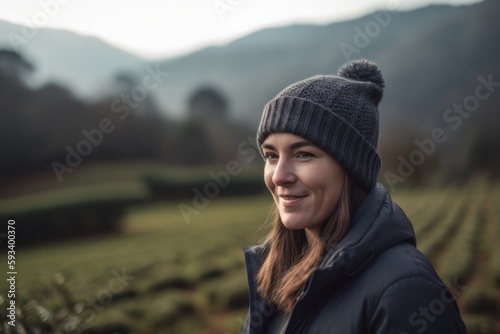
{"points": [[85, 64]]}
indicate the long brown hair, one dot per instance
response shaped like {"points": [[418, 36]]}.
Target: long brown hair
{"points": [[290, 259]]}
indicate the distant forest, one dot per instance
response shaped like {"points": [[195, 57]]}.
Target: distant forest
{"points": [[48, 129]]}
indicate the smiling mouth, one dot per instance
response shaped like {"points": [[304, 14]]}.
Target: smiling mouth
{"points": [[290, 200], [290, 197]]}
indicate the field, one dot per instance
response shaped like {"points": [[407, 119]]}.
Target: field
{"points": [[161, 275]]}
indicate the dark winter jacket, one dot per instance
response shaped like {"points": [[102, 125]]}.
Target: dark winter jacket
{"points": [[372, 282]]}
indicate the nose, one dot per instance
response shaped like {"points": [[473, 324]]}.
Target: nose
{"points": [[284, 173]]}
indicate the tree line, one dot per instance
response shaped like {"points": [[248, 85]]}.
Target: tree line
{"points": [[49, 129]]}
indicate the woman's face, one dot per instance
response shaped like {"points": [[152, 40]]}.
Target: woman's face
{"points": [[305, 181]]}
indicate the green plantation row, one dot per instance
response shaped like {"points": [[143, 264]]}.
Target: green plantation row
{"points": [[459, 230], [163, 275], [159, 274], [94, 199]]}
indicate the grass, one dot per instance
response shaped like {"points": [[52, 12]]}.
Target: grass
{"points": [[163, 275]]}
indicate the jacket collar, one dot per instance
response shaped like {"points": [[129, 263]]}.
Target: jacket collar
{"points": [[377, 225]]}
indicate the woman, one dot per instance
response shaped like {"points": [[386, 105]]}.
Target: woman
{"points": [[341, 255]]}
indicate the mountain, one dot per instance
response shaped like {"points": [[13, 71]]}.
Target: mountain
{"points": [[427, 54], [424, 55], [432, 59], [86, 64]]}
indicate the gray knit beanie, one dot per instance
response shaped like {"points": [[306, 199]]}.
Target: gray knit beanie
{"points": [[337, 113]]}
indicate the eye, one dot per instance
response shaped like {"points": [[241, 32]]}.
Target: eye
{"points": [[270, 156], [305, 155]]}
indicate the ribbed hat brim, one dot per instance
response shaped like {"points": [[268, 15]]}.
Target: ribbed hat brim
{"points": [[326, 130]]}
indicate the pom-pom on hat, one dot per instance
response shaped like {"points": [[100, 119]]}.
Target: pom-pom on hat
{"points": [[338, 113]]}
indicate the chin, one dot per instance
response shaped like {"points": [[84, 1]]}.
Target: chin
{"points": [[292, 224]]}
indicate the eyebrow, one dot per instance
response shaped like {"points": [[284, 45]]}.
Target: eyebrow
{"points": [[292, 146]]}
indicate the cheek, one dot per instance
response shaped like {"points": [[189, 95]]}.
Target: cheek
{"points": [[334, 192], [330, 188], [268, 178], [332, 196]]}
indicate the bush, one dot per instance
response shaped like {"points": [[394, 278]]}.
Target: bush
{"points": [[495, 261], [176, 281], [227, 293], [431, 245], [33, 317], [109, 328], [200, 271], [481, 299], [478, 325], [458, 262], [167, 311]]}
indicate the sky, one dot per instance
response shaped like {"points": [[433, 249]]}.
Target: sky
{"points": [[169, 28]]}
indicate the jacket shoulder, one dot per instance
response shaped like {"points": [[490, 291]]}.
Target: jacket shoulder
{"points": [[416, 304], [411, 297], [399, 262], [397, 292]]}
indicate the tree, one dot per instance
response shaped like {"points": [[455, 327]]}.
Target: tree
{"points": [[14, 70], [207, 102], [14, 137]]}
